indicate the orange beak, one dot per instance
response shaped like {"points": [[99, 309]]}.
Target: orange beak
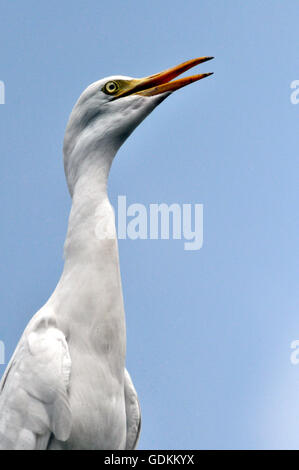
{"points": [[162, 82]]}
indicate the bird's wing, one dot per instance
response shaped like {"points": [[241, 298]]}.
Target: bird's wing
{"points": [[132, 412], [34, 391]]}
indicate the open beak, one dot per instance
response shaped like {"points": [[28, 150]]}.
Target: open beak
{"points": [[163, 82]]}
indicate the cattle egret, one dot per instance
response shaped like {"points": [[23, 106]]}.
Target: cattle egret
{"points": [[66, 386]]}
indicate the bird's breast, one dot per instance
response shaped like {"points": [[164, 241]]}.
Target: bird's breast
{"points": [[96, 395]]}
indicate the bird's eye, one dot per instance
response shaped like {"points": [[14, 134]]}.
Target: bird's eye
{"points": [[111, 87]]}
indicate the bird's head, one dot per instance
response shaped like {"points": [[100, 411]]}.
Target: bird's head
{"points": [[110, 109]]}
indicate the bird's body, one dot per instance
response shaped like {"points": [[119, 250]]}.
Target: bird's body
{"points": [[66, 386], [87, 308]]}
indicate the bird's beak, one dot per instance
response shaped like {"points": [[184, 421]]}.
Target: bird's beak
{"points": [[162, 82]]}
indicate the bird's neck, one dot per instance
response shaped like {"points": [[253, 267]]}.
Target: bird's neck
{"points": [[89, 292], [91, 214], [91, 236]]}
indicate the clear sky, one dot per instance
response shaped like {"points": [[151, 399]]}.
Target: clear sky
{"points": [[209, 331]]}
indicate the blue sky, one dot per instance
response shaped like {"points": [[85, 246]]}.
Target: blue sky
{"points": [[209, 331]]}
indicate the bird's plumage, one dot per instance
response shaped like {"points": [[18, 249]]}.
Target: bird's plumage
{"points": [[66, 386], [34, 390], [35, 408]]}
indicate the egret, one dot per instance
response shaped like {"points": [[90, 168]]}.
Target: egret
{"points": [[66, 386]]}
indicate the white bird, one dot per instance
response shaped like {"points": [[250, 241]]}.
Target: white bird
{"points": [[66, 386]]}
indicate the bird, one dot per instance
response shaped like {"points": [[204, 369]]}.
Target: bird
{"points": [[66, 386]]}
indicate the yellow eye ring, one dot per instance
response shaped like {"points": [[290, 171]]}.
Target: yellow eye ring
{"points": [[111, 88]]}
